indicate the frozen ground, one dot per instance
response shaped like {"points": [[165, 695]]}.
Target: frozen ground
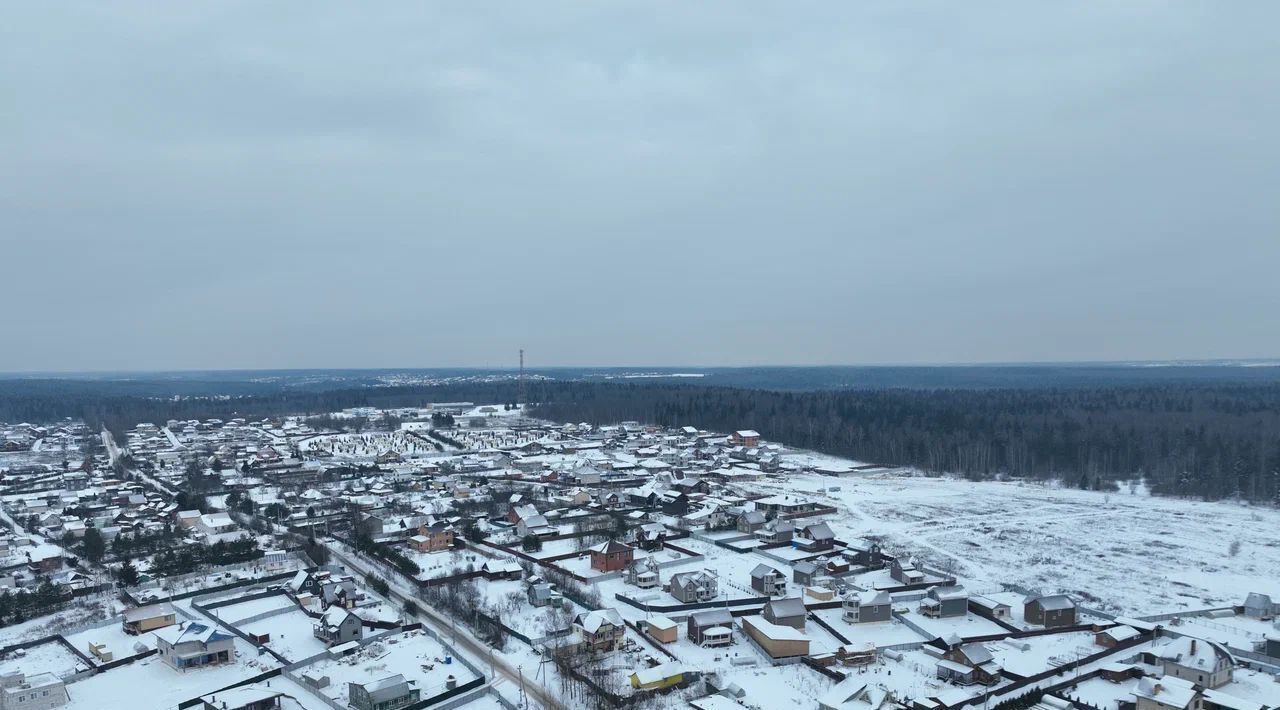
{"points": [[1123, 552]]}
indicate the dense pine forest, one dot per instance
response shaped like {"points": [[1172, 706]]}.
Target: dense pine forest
{"points": [[1209, 440]]}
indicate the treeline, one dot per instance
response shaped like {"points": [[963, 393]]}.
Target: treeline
{"points": [[19, 605], [192, 557], [1208, 441]]}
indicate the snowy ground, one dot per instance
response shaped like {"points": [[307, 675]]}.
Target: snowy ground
{"points": [[291, 634], [50, 657], [152, 684], [235, 613], [1122, 552], [414, 654], [881, 633], [1036, 654], [120, 644]]}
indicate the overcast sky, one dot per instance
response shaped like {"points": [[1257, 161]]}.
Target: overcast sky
{"points": [[249, 184]]}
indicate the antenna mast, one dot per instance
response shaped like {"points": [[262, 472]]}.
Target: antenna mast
{"points": [[520, 393]]}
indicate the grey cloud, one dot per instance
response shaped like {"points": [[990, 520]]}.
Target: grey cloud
{"points": [[285, 185]]}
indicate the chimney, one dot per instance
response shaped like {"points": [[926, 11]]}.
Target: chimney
{"points": [[1193, 647]]}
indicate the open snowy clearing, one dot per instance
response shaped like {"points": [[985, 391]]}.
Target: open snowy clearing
{"points": [[1123, 552]]}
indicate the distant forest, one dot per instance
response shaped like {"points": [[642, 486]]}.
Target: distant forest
{"points": [[1208, 440]]}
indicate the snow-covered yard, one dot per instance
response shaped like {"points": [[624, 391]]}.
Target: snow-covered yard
{"points": [[51, 657], [151, 683], [415, 655], [291, 634]]}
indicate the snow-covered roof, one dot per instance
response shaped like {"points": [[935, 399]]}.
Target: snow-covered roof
{"points": [[593, 620]]}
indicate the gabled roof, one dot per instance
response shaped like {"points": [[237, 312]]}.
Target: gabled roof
{"points": [[763, 570], [1054, 602], [611, 546], [819, 531], [791, 606], [593, 620]]}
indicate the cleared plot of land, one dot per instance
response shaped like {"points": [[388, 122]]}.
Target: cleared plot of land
{"points": [[291, 634], [1124, 552], [114, 639], [50, 657]]}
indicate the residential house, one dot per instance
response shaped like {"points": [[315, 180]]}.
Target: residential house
{"points": [[337, 626], [539, 593], [692, 587], [40, 691], [674, 503], [643, 573], [1167, 693], [750, 521], [969, 663], [906, 571], [216, 524], [776, 532], [745, 437], [864, 553], [1204, 663], [1050, 611], [785, 612], [866, 607], [814, 537], [531, 522], [805, 573], [768, 581], [437, 536], [192, 644], [600, 630], [943, 602], [611, 556], [1260, 606], [245, 697], [713, 627], [650, 536], [1116, 635], [854, 693], [390, 693], [142, 619]]}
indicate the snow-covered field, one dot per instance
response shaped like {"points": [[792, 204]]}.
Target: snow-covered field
{"points": [[1123, 552]]}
